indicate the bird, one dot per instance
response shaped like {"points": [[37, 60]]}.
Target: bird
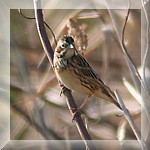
{"points": [[75, 73]]}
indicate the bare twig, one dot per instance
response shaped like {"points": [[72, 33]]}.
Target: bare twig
{"points": [[141, 86], [44, 55], [67, 93], [120, 32], [130, 61], [147, 42], [131, 122], [131, 64], [145, 60], [133, 70], [21, 13]]}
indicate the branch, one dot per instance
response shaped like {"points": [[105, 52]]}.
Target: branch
{"points": [[66, 92], [139, 82], [134, 72], [42, 32], [131, 122]]}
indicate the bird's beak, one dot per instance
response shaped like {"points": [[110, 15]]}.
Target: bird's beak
{"points": [[71, 46]]}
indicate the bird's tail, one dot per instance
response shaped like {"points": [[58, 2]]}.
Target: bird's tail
{"points": [[110, 96]]}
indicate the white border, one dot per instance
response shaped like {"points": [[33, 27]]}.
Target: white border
{"points": [[5, 7]]}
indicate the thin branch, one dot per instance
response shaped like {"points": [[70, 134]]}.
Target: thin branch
{"points": [[134, 72], [130, 61], [67, 93], [147, 43], [21, 13], [44, 56], [131, 122]]}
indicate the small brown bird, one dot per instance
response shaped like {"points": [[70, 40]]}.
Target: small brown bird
{"points": [[76, 74]]}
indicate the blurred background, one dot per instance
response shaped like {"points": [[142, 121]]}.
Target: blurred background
{"points": [[37, 110]]}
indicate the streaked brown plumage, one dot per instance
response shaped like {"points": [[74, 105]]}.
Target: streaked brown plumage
{"points": [[75, 73]]}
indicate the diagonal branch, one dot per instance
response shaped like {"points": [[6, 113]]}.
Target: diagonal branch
{"points": [[67, 93], [131, 122]]}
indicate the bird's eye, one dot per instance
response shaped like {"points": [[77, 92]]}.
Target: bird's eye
{"points": [[62, 46]]}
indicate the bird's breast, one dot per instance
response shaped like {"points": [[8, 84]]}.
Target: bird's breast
{"points": [[73, 82]]}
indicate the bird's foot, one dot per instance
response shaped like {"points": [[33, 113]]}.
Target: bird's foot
{"points": [[62, 90], [119, 115]]}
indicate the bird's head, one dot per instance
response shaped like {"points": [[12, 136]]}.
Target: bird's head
{"points": [[65, 47]]}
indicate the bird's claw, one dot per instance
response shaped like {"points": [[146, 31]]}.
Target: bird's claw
{"points": [[62, 90], [119, 115]]}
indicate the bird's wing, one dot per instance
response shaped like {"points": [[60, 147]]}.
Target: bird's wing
{"points": [[90, 78], [85, 71]]}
